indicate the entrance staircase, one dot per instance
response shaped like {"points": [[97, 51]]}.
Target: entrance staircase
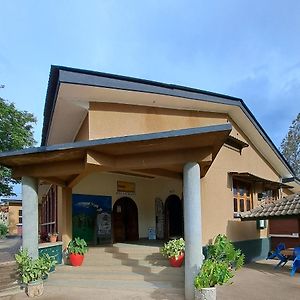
{"points": [[123, 271]]}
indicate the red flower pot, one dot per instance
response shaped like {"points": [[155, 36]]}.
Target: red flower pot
{"points": [[176, 262], [76, 259]]}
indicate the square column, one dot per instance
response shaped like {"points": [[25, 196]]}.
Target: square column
{"points": [[30, 215], [192, 226], [64, 203]]}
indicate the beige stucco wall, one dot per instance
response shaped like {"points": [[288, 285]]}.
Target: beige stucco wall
{"points": [[111, 120], [83, 133], [107, 120], [13, 212], [147, 190]]}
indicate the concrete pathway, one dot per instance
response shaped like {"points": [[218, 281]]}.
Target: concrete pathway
{"points": [[8, 248]]}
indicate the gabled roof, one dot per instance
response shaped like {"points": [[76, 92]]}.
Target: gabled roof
{"points": [[237, 108], [286, 207]]}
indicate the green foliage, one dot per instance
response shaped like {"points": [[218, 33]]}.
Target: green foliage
{"points": [[3, 230], [290, 146], [212, 273], [31, 270], [77, 246], [223, 250], [222, 260], [16, 132], [173, 248]]}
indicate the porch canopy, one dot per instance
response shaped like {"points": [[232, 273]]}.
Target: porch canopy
{"points": [[287, 207], [255, 179], [150, 155]]}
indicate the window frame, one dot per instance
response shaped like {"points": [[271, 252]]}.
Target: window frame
{"points": [[242, 196]]}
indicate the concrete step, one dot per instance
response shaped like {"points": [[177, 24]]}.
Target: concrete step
{"points": [[125, 248], [127, 262], [133, 275], [120, 269], [142, 285], [107, 255]]}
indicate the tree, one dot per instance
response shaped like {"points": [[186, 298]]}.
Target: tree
{"points": [[16, 132], [290, 146]]}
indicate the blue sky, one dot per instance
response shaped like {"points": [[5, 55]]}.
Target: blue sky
{"points": [[248, 49]]}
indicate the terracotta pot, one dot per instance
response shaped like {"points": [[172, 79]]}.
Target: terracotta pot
{"points": [[176, 262], [76, 259], [53, 238], [206, 294], [35, 288]]}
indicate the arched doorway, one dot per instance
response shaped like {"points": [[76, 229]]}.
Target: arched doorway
{"points": [[173, 217], [125, 220]]}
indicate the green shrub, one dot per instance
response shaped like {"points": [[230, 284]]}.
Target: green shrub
{"points": [[31, 270], [3, 230], [222, 260], [173, 248], [77, 246]]}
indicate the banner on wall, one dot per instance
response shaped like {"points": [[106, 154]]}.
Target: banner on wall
{"points": [[92, 218]]}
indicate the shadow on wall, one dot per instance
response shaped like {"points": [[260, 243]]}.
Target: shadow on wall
{"points": [[248, 239]]}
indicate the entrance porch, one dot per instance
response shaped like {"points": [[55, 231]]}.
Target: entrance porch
{"points": [[183, 154]]}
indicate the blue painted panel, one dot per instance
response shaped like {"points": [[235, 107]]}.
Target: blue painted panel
{"points": [[92, 218]]}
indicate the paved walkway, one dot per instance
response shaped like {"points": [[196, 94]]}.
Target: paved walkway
{"points": [[259, 281], [8, 248]]}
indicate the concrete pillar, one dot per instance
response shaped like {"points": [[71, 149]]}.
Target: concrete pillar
{"points": [[30, 215], [192, 225]]}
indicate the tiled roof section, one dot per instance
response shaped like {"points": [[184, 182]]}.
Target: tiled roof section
{"points": [[287, 206]]}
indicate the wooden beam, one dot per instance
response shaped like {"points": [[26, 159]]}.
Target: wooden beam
{"points": [[151, 160], [50, 169], [99, 159], [160, 173], [87, 171], [54, 180], [161, 159]]}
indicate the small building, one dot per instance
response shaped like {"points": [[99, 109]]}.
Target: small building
{"points": [[123, 157], [11, 215]]}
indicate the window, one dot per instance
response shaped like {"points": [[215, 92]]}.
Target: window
{"points": [[242, 198], [20, 216], [268, 196]]}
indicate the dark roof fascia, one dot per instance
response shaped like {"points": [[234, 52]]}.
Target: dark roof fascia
{"points": [[291, 179], [62, 74], [117, 140]]}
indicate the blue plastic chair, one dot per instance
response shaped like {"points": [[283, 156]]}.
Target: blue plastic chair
{"points": [[276, 254], [296, 262]]}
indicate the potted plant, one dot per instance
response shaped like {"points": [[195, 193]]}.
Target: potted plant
{"points": [[174, 251], [53, 237], [76, 250], [222, 260], [33, 271]]}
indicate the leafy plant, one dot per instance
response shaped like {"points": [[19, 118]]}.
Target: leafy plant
{"points": [[173, 248], [77, 246], [222, 260], [16, 132], [212, 273], [223, 250], [3, 230], [33, 269]]}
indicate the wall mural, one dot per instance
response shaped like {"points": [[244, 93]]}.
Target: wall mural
{"points": [[92, 218]]}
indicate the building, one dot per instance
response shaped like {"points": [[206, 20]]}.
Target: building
{"points": [[122, 156], [11, 215]]}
